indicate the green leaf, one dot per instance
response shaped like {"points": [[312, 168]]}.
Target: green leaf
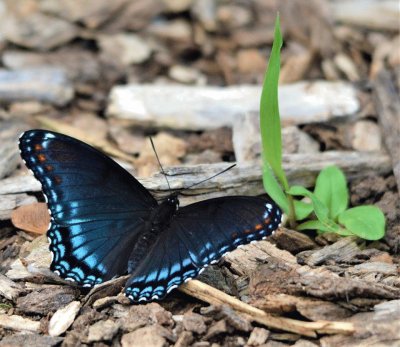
{"points": [[302, 209], [269, 111], [321, 211], [367, 222], [313, 225], [274, 190], [331, 189]]}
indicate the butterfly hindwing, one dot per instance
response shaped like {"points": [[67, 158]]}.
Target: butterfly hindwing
{"points": [[97, 208], [198, 235]]}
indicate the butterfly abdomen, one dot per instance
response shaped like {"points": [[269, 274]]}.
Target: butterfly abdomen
{"points": [[141, 248], [158, 221]]}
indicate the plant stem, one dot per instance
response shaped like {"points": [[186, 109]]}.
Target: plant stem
{"points": [[285, 184], [292, 214]]}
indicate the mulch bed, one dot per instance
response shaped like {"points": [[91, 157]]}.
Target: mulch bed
{"points": [[62, 62]]}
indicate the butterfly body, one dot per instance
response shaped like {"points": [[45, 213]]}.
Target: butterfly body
{"points": [[158, 221], [104, 223], [164, 213]]}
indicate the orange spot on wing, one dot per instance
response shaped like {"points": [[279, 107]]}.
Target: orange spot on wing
{"points": [[38, 147], [247, 231], [57, 179], [234, 235], [49, 168], [267, 220], [258, 226], [42, 157]]}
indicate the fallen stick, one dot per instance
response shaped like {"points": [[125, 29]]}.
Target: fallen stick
{"points": [[388, 106], [301, 169], [213, 296], [209, 107]]}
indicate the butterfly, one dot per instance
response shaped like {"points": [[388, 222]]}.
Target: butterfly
{"points": [[104, 223]]}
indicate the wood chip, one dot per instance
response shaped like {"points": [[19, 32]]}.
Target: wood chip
{"points": [[296, 67], [347, 66], [194, 322], [247, 141], [126, 49], [321, 310], [19, 323], [9, 289], [375, 267], [93, 140], [79, 65], [220, 327], [63, 318], [19, 184], [245, 260], [341, 251], [152, 336], [258, 336], [9, 155], [9, 202], [234, 319], [105, 302], [90, 13], [36, 30], [326, 285], [42, 84], [378, 328], [103, 330], [184, 340], [293, 241], [364, 13], [46, 300], [31, 340]]}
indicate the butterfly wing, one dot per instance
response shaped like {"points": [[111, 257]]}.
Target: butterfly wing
{"points": [[198, 235], [97, 208]]}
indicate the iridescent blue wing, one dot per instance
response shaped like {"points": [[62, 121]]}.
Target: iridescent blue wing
{"points": [[97, 208], [200, 234]]}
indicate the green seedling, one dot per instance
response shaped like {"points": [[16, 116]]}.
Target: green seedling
{"points": [[327, 207]]}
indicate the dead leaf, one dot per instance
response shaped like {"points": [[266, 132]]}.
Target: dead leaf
{"points": [[34, 218]]}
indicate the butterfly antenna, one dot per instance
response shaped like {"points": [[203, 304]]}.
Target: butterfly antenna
{"points": [[159, 163], [210, 178]]}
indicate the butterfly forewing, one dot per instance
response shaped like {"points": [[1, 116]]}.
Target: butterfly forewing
{"points": [[97, 207], [198, 235]]}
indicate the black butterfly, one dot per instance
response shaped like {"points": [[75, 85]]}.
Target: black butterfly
{"points": [[104, 223]]}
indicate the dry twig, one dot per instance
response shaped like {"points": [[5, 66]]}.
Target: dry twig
{"points": [[214, 296]]}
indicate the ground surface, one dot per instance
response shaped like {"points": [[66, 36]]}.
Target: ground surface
{"points": [[61, 61]]}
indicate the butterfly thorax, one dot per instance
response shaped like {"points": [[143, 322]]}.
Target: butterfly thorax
{"points": [[163, 214]]}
